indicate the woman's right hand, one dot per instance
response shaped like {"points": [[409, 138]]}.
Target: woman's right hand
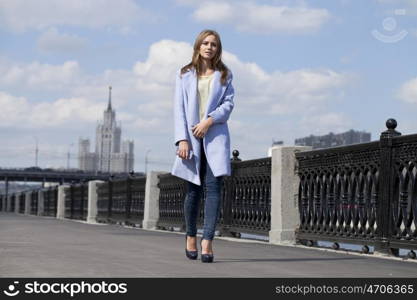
{"points": [[183, 149]]}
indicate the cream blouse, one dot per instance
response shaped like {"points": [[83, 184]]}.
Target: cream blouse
{"points": [[204, 84]]}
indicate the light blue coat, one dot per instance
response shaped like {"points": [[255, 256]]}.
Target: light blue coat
{"points": [[217, 139]]}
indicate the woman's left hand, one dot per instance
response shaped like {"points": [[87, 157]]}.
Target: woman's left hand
{"points": [[201, 128]]}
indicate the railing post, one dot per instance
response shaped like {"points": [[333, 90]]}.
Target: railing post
{"points": [[28, 202], [16, 203], [151, 209], [4, 203], [41, 205], [284, 194], [92, 201], [9, 203], [386, 188], [6, 195], [46, 201], [60, 210]]}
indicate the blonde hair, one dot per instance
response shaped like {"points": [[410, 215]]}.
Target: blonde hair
{"points": [[196, 61]]}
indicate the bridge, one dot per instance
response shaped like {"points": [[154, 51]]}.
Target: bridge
{"points": [[35, 174]]}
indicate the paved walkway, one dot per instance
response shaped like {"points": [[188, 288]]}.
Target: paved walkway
{"points": [[32, 246]]}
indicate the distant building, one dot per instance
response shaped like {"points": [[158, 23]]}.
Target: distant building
{"points": [[110, 155], [274, 143], [87, 161], [333, 140]]}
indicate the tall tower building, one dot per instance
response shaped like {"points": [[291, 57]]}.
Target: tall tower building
{"points": [[109, 155]]}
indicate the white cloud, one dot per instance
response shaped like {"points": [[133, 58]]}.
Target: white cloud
{"points": [[408, 91], [187, 2], [214, 12], [324, 123], [386, 1], [54, 41], [257, 91], [262, 18], [283, 93], [147, 89], [65, 110], [39, 76], [14, 109], [408, 6], [149, 124], [23, 15], [164, 59], [412, 2], [267, 104], [19, 112]]}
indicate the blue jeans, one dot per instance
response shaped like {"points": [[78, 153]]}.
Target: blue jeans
{"points": [[213, 187]]}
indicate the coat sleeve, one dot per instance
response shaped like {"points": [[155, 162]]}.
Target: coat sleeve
{"points": [[180, 122], [222, 112]]}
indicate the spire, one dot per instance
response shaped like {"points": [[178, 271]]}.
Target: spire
{"points": [[109, 104]]}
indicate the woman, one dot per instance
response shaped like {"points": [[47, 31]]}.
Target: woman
{"points": [[203, 103]]}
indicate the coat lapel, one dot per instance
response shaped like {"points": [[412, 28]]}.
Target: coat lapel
{"points": [[216, 91], [192, 99]]}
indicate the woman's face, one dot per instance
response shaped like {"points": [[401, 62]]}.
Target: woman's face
{"points": [[208, 47]]}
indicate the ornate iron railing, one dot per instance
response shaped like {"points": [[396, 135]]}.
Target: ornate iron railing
{"points": [[34, 197], [171, 202], [403, 204], [360, 194], [50, 200], [119, 208], [104, 201], [69, 204], [22, 202], [136, 190], [13, 203], [122, 201], [76, 201], [338, 193], [246, 199]]}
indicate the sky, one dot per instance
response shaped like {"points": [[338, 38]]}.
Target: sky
{"points": [[300, 68]]}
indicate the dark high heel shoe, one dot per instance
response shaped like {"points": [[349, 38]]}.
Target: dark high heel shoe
{"points": [[205, 258], [190, 254]]}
